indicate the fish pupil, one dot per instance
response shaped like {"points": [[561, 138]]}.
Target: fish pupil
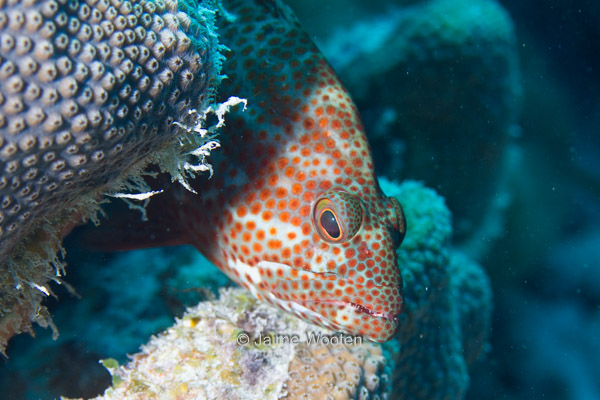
{"points": [[329, 224]]}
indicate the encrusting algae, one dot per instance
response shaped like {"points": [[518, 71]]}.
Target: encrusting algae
{"points": [[227, 349]]}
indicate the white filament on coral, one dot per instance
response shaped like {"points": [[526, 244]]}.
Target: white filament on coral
{"points": [[136, 196], [209, 143]]}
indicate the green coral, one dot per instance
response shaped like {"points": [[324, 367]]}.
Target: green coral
{"points": [[448, 302]]}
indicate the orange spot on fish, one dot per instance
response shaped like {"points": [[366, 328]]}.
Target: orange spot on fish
{"points": [[255, 208], [284, 216], [265, 194], [294, 204], [305, 211], [308, 197], [325, 185], [308, 123], [306, 229], [241, 211], [282, 162]]}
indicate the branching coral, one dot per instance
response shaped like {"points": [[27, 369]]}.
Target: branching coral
{"points": [[89, 94]]}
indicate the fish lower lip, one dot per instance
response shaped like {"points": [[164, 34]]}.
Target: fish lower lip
{"points": [[324, 277], [372, 313], [358, 307]]}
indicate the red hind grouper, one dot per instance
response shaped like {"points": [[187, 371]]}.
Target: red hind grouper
{"points": [[293, 212]]}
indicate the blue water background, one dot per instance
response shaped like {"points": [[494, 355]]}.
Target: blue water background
{"points": [[544, 262]]}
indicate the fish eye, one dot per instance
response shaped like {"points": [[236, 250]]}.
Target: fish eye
{"points": [[329, 224], [337, 216], [326, 221]]}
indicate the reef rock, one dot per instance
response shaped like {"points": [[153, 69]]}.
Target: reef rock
{"points": [[239, 348]]}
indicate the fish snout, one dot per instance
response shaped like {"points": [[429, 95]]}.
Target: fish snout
{"points": [[342, 304], [373, 313]]}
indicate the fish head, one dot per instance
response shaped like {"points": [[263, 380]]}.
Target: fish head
{"points": [[356, 286], [338, 266]]}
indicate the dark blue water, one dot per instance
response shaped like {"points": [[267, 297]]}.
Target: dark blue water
{"points": [[495, 105]]}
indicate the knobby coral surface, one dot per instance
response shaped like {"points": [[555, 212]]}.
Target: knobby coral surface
{"points": [[88, 94], [448, 302]]}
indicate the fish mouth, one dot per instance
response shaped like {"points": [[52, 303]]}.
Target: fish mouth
{"points": [[281, 282], [359, 308], [374, 314], [373, 325]]}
